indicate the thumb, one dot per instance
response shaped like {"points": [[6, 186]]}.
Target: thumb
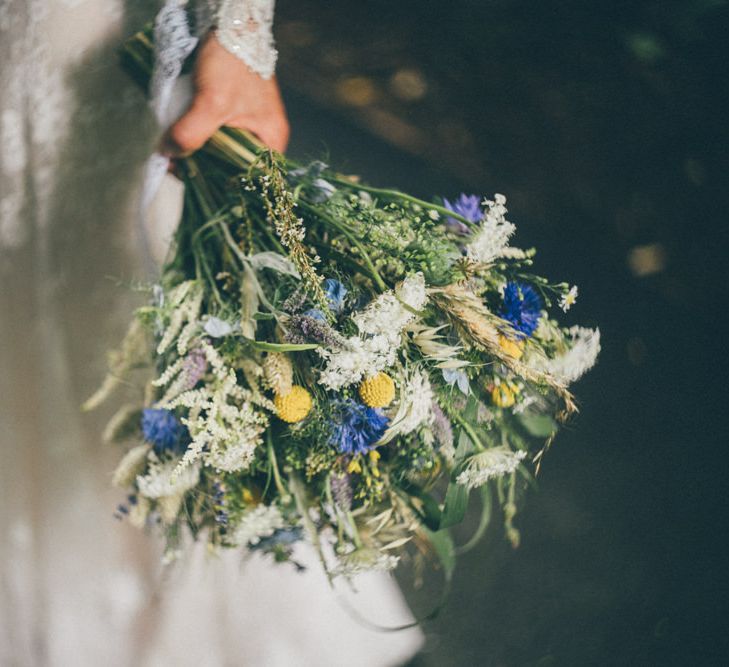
{"points": [[198, 124]]}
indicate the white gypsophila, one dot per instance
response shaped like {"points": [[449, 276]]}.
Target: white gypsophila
{"points": [[393, 310], [163, 478], [566, 301], [486, 465], [361, 357], [491, 240], [262, 521], [225, 427], [414, 407], [364, 560], [412, 292], [581, 356], [380, 327], [130, 466]]}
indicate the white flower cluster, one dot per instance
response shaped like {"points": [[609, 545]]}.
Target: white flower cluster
{"points": [[167, 484], [364, 560], [486, 465], [163, 478], [185, 302], [380, 327], [584, 348], [393, 310], [492, 239], [262, 521], [176, 377], [414, 407], [224, 425]]}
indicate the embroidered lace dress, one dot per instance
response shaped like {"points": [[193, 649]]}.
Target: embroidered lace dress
{"points": [[78, 588]]}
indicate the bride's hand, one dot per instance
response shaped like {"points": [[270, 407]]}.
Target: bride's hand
{"points": [[227, 92]]}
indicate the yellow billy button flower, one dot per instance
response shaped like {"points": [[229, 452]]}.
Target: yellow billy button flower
{"points": [[377, 391], [514, 348], [504, 395], [293, 406]]}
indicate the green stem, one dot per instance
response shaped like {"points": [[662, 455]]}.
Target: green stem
{"points": [[469, 430], [282, 492]]}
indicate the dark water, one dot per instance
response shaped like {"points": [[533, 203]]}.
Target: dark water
{"points": [[605, 125]]}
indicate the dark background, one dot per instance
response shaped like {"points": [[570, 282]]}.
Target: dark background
{"points": [[604, 123]]}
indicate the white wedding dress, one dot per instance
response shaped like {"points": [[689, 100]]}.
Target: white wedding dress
{"points": [[76, 587]]}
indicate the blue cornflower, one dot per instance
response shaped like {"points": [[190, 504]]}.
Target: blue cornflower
{"points": [[164, 431], [522, 307], [356, 427], [467, 206], [335, 292]]}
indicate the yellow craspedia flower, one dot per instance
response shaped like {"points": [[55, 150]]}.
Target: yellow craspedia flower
{"points": [[293, 406], [377, 391], [503, 395], [514, 348]]}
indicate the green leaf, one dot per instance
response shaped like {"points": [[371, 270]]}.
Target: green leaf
{"points": [[249, 302], [540, 426], [274, 261], [483, 523], [443, 546], [280, 347], [456, 500]]}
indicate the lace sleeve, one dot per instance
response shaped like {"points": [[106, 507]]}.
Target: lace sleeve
{"points": [[244, 27]]}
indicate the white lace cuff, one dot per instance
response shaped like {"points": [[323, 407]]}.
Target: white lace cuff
{"points": [[243, 27]]}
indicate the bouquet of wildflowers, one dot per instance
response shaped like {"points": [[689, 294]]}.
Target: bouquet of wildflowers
{"points": [[332, 362]]}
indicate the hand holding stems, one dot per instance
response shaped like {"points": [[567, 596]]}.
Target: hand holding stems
{"points": [[228, 92]]}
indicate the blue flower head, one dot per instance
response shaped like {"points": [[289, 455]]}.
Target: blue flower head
{"points": [[335, 292], [522, 307], [164, 431], [467, 206], [356, 427]]}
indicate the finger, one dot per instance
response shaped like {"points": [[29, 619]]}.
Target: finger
{"points": [[274, 135], [200, 122]]}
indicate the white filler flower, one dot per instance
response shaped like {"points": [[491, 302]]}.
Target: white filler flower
{"points": [[163, 479], [380, 326], [566, 301], [491, 241], [414, 407], [495, 462], [580, 358], [262, 521]]}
